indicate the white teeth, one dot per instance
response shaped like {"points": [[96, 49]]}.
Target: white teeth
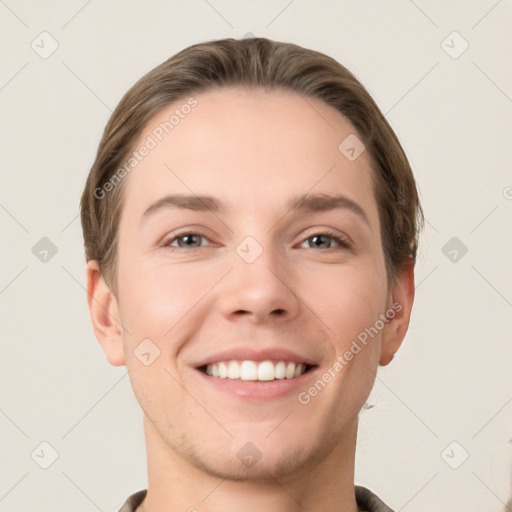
{"points": [[280, 370], [248, 370], [298, 370], [266, 370], [251, 370], [233, 370], [290, 370], [223, 370]]}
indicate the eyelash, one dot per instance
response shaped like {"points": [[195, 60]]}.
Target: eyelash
{"points": [[339, 239]]}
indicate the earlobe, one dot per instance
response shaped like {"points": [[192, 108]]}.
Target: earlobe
{"points": [[105, 316], [402, 298]]}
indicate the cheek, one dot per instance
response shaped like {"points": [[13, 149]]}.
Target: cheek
{"points": [[158, 297], [348, 299]]}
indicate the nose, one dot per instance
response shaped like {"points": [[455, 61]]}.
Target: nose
{"points": [[260, 289]]}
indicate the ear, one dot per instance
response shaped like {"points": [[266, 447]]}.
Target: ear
{"points": [[104, 315], [401, 299]]}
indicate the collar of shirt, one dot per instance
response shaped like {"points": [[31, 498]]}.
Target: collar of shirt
{"points": [[366, 500]]}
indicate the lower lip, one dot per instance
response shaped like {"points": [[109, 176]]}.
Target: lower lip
{"points": [[259, 390]]}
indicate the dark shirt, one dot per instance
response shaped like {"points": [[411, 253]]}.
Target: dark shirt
{"points": [[366, 500]]}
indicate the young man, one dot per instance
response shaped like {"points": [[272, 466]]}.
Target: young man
{"points": [[250, 226]]}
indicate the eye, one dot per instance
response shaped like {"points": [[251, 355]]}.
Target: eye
{"points": [[324, 240], [185, 241]]}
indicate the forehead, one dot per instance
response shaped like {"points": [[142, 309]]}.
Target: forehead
{"points": [[248, 146]]}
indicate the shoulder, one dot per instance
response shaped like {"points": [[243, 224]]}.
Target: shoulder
{"points": [[367, 501], [133, 501]]}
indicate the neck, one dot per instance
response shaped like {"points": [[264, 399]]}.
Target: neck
{"points": [[179, 483]]}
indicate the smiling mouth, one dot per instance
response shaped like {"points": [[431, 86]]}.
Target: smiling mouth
{"points": [[248, 370]]}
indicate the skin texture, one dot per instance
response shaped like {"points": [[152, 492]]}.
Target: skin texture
{"points": [[252, 150]]}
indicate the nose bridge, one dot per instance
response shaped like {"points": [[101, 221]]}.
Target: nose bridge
{"points": [[258, 282]]}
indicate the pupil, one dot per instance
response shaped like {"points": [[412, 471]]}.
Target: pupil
{"points": [[317, 237], [187, 238]]}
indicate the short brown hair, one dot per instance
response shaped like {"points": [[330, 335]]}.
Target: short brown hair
{"points": [[253, 62]]}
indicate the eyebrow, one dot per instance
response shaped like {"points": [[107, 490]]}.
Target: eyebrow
{"points": [[300, 203], [325, 202]]}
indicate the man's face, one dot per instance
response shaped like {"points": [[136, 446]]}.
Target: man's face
{"points": [[254, 275]]}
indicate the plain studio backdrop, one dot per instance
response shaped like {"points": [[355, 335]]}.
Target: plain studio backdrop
{"points": [[437, 437]]}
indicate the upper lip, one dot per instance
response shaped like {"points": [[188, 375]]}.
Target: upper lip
{"points": [[246, 353]]}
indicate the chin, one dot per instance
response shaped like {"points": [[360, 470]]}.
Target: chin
{"points": [[251, 464]]}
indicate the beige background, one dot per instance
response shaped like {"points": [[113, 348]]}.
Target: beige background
{"points": [[451, 381]]}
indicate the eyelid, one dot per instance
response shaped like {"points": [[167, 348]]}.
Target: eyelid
{"points": [[167, 240], [339, 236]]}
